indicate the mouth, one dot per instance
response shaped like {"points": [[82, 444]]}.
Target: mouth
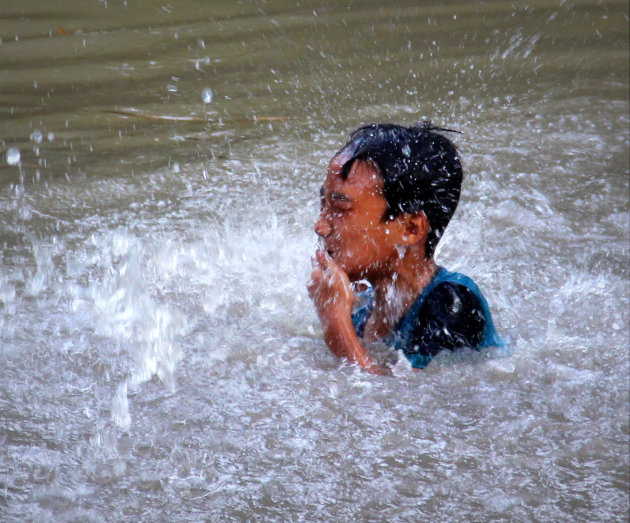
{"points": [[331, 253], [323, 247]]}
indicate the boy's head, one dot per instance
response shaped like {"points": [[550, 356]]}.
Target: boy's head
{"points": [[420, 168], [388, 187]]}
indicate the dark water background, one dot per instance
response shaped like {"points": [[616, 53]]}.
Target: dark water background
{"points": [[159, 357]]}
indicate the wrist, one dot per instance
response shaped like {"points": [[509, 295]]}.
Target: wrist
{"points": [[341, 337]]}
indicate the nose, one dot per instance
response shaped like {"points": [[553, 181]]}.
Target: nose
{"points": [[322, 227]]}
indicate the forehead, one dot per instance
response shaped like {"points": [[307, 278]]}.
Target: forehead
{"points": [[363, 178]]}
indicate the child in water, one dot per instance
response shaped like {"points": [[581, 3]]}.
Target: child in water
{"points": [[388, 196]]}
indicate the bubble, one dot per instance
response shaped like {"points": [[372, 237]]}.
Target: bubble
{"points": [[176, 167], [37, 136], [50, 136], [13, 156], [206, 95]]}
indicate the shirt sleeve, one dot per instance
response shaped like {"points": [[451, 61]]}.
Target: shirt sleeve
{"points": [[450, 317]]}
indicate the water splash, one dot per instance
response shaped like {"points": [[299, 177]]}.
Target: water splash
{"points": [[206, 95], [37, 136], [13, 156], [130, 312]]}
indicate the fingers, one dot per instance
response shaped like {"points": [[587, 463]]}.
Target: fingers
{"points": [[322, 283], [378, 369], [325, 271], [329, 284], [321, 273], [317, 277], [323, 259]]}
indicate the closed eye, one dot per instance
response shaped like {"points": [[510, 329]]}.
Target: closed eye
{"points": [[341, 201], [338, 201]]}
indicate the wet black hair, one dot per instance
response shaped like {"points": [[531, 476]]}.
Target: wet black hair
{"points": [[420, 168]]}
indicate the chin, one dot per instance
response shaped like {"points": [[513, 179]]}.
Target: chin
{"points": [[350, 268], [354, 274], [346, 267]]}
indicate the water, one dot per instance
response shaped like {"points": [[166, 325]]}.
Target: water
{"points": [[160, 357]]}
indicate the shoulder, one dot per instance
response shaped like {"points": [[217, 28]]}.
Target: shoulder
{"points": [[450, 316], [452, 299]]}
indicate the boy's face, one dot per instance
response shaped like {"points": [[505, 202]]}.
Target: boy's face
{"points": [[350, 223]]}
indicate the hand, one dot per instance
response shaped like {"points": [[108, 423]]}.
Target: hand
{"points": [[378, 369], [329, 288]]}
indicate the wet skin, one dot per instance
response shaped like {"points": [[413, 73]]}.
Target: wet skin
{"points": [[355, 243], [351, 224]]}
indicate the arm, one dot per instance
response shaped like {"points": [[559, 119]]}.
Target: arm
{"points": [[329, 288]]}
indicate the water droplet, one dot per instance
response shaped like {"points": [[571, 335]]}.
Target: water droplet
{"points": [[37, 136], [176, 167], [171, 88], [51, 136], [206, 95], [13, 156], [406, 150]]}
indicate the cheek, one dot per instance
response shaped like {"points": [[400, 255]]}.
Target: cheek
{"points": [[364, 225], [362, 234]]}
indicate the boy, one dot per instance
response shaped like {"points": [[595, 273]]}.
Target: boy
{"points": [[388, 196]]}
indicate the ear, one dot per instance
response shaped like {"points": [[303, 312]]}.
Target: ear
{"points": [[415, 228]]}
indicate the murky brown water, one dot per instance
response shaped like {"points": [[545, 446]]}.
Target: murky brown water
{"points": [[160, 359]]}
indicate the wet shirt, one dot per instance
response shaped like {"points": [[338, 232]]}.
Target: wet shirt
{"points": [[451, 312]]}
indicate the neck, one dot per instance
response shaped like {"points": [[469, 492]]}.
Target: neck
{"points": [[395, 292]]}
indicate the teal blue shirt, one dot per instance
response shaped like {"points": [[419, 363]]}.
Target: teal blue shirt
{"points": [[450, 312]]}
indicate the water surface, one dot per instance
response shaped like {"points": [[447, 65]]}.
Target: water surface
{"points": [[160, 357]]}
